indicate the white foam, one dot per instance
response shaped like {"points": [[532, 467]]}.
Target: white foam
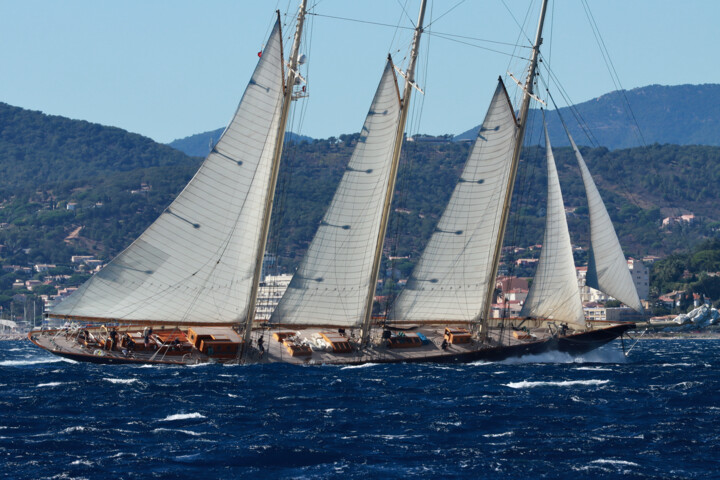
{"points": [[364, 365], [50, 384], [121, 380], [565, 383], [601, 355], [182, 416], [594, 369], [16, 363], [187, 432], [83, 462], [496, 435], [78, 429], [624, 463]]}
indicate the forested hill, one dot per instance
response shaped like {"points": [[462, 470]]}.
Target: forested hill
{"points": [[36, 149], [118, 183], [681, 115], [199, 145]]}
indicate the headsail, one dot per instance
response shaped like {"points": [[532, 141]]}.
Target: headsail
{"points": [[194, 264], [554, 293], [607, 267], [332, 281], [450, 280]]}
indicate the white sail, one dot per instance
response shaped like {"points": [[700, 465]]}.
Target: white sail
{"points": [[195, 263], [554, 293], [607, 267], [332, 282], [450, 280]]}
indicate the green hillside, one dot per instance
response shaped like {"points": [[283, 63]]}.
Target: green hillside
{"points": [[117, 183]]}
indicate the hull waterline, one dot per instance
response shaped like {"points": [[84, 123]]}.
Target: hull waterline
{"points": [[574, 345]]}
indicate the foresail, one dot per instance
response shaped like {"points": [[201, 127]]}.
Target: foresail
{"points": [[554, 293], [332, 281], [450, 280], [607, 267], [195, 263]]}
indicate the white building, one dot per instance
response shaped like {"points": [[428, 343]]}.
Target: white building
{"points": [[641, 277], [271, 291]]}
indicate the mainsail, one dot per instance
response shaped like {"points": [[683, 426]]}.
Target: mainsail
{"points": [[607, 267], [554, 293], [194, 264], [332, 282], [451, 278]]}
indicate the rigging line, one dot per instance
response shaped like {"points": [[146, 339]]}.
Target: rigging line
{"points": [[521, 27], [397, 28], [368, 22], [629, 194], [573, 109], [448, 11], [611, 66], [511, 55], [404, 10], [582, 123], [552, 30], [531, 156], [450, 36], [521, 33]]}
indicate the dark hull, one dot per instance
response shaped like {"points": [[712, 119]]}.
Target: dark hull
{"points": [[573, 345]]}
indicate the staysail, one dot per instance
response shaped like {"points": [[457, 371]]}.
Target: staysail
{"points": [[554, 293], [607, 267], [332, 281], [450, 280], [194, 264]]}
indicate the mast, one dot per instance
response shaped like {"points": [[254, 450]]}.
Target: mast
{"points": [[525, 107], [260, 254], [404, 108]]}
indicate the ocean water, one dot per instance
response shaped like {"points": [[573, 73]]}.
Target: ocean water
{"points": [[655, 414]]}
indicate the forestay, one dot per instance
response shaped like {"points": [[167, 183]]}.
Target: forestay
{"points": [[451, 279], [332, 281], [554, 293], [195, 263], [607, 267]]}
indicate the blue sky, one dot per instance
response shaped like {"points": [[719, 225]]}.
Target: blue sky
{"points": [[172, 68]]}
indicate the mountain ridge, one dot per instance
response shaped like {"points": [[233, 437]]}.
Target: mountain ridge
{"points": [[686, 114]]}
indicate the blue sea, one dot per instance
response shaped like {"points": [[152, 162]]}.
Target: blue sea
{"points": [[655, 414]]}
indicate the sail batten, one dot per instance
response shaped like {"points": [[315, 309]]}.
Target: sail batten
{"points": [[194, 264], [554, 293], [607, 267], [450, 280], [331, 284]]}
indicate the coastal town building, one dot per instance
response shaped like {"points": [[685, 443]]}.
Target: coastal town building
{"points": [[271, 290], [640, 276]]}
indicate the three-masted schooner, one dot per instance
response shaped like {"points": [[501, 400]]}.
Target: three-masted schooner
{"points": [[185, 291]]}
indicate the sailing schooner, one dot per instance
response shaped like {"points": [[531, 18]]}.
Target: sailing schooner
{"points": [[185, 291]]}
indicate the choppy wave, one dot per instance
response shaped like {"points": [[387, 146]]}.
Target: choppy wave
{"points": [[594, 419], [563, 383], [121, 380], [364, 365], [182, 416], [49, 384], [34, 361], [173, 430], [623, 463]]}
